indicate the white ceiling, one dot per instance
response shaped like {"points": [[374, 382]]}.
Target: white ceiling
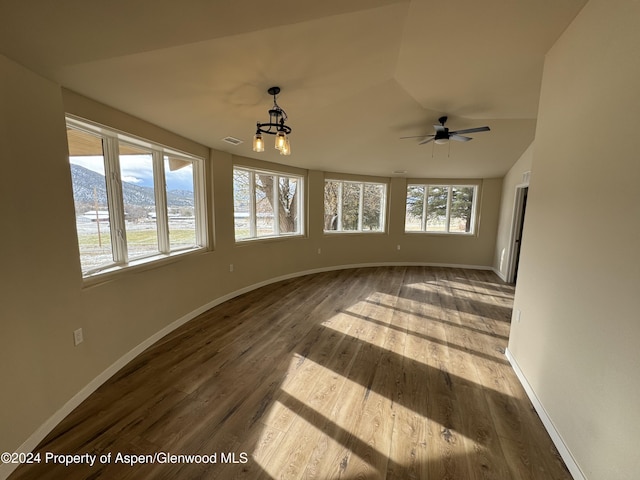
{"points": [[355, 75]]}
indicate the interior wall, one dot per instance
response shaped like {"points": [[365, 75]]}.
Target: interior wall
{"points": [[34, 241], [43, 298], [513, 178], [579, 279]]}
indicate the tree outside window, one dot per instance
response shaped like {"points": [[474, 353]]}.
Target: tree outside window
{"points": [[266, 204], [441, 208], [354, 206]]}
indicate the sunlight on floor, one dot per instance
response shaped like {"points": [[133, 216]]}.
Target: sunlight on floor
{"points": [[407, 331], [314, 412], [424, 286], [382, 395], [313, 430]]}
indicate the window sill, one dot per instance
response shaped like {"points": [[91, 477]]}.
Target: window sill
{"points": [[354, 232], [441, 234], [274, 238], [113, 272]]}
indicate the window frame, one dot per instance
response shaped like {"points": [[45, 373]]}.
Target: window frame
{"points": [[111, 141], [362, 183], [252, 219], [449, 186]]}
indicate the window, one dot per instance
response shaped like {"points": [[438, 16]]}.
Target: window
{"points": [[135, 201], [266, 204], [354, 206], [441, 208]]}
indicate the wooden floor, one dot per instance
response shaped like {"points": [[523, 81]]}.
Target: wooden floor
{"points": [[373, 373]]}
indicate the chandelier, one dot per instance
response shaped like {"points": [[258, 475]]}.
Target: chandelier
{"points": [[275, 126]]}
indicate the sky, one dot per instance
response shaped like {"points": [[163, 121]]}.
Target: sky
{"points": [[138, 170]]}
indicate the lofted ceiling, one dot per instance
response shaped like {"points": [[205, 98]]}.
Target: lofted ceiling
{"points": [[355, 75]]}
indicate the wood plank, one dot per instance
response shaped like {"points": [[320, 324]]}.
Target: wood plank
{"points": [[376, 373]]}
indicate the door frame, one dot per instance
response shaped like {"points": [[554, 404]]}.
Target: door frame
{"points": [[517, 220]]}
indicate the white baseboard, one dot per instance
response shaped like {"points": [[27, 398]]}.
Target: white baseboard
{"points": [[564, 452], [32, 442]]}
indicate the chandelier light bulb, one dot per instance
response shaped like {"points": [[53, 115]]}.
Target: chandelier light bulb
{"points": [[281, 140], [258, 143], [286, 149]]}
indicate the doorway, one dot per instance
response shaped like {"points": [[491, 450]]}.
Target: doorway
{"points": [[517, 227]]}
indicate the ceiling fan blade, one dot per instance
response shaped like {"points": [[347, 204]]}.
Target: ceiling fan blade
{"points": [[471, 130], [460, 138], [427, 140]]}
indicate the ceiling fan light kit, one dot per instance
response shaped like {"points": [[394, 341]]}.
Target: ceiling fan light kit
{"points": [[275, 126]]}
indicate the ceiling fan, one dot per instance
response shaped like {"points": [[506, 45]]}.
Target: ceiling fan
{"points": [[443, 134]]}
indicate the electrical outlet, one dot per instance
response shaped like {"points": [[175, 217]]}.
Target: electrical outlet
{"points": [[518, 315], [78, 337], [398, 247], [319, 251], [231, 267]]}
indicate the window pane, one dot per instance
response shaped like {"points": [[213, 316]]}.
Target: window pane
{"points": [[136, 170], [350, 205], [449, 208], [264, 205], [115, 199], [437, 208], [461, 206], [288, 204], [90, 199], [415, 208], [354, 206], [180, 202], [241, 203], [331, 191], [373, 207]]}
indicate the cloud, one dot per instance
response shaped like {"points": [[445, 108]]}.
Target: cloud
{"points": [[94, 163], [138, 170], [131, 179]]}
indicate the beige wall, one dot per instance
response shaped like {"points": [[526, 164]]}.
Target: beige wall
{"points": [[503, 239], [579, 282], [43, 298]]}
